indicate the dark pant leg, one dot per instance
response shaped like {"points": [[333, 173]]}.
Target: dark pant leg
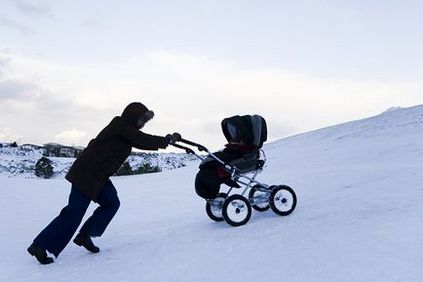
{"points": [[109, 204], [59, 232]]}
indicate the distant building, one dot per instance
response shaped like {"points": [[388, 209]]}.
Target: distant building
{"points": [[9, 145], [57, 150], [31, 147]]}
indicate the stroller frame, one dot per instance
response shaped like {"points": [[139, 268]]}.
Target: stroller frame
{"points": [[236, 174], [269, 195]]}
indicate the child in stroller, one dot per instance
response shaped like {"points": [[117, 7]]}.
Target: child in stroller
{"points": [[233, 166], [245, 136]]}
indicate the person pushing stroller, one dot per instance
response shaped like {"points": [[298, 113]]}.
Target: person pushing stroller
{"points": [[89, 176]]}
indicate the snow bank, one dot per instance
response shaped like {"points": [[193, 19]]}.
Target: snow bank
{"points": [[20, 161]]}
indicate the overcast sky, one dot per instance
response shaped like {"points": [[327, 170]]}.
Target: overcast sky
{"points": [[68, 67]]}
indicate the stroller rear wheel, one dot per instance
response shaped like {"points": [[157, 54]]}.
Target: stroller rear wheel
{"points": [[259, 200], [283, 200], [214, 207], [236, 210]]}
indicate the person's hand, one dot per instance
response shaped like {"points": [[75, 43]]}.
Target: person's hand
{"points": [[172, 138]]}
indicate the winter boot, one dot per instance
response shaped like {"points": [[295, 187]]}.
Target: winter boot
{"points": [[85, 241], [39, 254]]}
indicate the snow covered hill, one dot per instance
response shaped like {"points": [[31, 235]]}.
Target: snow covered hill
{"points": [[358, 218]]}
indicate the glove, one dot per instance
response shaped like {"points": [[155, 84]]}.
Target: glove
{"points": [[172, 138]]}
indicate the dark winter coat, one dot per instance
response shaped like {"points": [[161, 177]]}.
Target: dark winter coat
{"points": [[108, 151]]}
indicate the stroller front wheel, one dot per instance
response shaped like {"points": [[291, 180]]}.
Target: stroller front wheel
{"points": [[236, 210], [214, 207]]}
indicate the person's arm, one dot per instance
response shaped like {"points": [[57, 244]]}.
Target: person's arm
{"points": [[141, 140]]}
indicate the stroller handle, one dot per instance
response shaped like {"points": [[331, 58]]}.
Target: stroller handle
{"points": [[200, 147], [187, 150]]}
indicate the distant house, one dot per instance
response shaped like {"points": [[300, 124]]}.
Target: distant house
{"points": [[9, 145], [57, 150], [79, 150], [67, 152], [31, 147]]}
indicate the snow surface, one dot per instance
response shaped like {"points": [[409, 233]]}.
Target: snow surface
{"points": [[358, 218]]}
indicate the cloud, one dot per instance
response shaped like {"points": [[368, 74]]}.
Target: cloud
{"points": [[7, 135], [90, 23], [14, 25], [3, 64], [3, 61], [190, 94], [17, 90], [32, 8], [22, 20], [72, 136]]}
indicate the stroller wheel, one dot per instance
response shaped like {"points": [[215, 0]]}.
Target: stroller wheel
{"points": [[282, 200], [214, 207], [259, 200], [236, 210]]}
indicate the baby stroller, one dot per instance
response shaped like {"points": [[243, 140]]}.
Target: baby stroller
{"points": [[237, 166]]}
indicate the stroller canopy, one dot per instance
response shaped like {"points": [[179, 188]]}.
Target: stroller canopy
{"points": [[250, 128]]}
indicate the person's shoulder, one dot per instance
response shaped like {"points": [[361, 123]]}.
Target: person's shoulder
{"points": [[115, 124], [119, 121], [119, 124]]}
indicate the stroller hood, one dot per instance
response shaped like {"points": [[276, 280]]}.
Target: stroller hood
{"points": [[251, 128]]}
